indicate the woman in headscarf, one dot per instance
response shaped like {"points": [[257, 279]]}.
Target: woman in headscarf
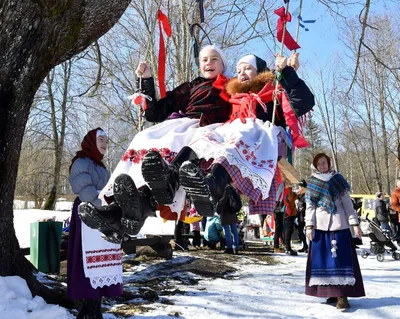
{"points": [[332, 265]]}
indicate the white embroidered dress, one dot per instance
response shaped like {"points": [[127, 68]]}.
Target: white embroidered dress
{"points": [[251, 145], [168, 138]]}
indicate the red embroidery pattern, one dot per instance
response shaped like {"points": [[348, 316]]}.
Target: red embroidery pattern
{"points": [[136, 156], [244, 149], [103, 250], [104, 265], [102, 258]]}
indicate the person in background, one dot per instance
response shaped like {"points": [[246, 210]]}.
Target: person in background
{"points": [[212, 233], [332, 266], [290, 202], [229, 221], [195, 228], [395, 204], [382, 212], [301, 213], [278, 234], [91, 273]]}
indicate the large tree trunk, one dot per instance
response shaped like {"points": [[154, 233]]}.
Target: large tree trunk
{"points": [[35, 36]]}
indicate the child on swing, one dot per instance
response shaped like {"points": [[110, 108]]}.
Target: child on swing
{"points": [[183, 110], [246, 150]]}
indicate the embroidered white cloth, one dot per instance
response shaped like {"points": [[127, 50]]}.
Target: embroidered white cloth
{"points": [[102, 260], [168, 138], [333, 280], [251, 146]]}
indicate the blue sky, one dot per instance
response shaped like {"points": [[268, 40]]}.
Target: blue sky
{"points": [[322, 41]]}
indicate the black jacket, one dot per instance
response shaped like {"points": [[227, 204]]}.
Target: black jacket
{"points": [[382, 213], [195, 99]]}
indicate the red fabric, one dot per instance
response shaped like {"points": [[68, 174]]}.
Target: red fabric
{"points": [[140, 100], [288, 40], [162, 20], [244, 104], [167, 214], [89, 149], [291, 120], [219, 84], [279, 176], [289, 199]]}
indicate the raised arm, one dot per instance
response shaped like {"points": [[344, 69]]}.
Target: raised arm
{"points": [[159, 110]]}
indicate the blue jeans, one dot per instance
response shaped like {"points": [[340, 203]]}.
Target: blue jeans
{"points": [[385, 226], [229, 230]]}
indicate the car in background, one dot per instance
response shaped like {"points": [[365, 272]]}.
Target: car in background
{"points": [[364, 204]]}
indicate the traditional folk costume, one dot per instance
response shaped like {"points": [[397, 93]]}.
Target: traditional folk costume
{"points": [[138, 185], [183, 110], [248, 145], [94, 264], [332, 264]]}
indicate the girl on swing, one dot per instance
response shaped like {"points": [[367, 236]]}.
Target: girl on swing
{"points": [[182, 111], [246, 150]]}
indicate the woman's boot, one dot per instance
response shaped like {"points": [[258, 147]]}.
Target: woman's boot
{"points": [[98, 311], [88, 309], [163, 178], [136, 204], [342, 303], [206, 191]]}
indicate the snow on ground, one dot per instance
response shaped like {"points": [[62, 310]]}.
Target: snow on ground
{"points": [[255, 291]]}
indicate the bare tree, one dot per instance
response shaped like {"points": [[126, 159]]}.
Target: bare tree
{"points": [[58, 122]]}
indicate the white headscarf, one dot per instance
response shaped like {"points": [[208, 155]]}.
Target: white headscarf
{"points": [[100, 133], [225, 71], [259, 64], [249, 59]]}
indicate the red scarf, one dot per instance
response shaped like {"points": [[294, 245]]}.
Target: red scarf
{"points": [[89, 149], [244, 104]]}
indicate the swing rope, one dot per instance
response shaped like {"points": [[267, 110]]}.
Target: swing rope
{"points": [[277, 73], [298, 23]]}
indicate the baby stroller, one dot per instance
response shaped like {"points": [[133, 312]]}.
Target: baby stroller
{"points": [[380, 242]]}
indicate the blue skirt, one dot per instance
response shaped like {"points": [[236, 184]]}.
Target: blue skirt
{"points": [[338, 276]]}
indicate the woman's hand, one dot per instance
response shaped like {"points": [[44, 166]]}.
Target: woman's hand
{"points": [[294, 61], [143, 70], [280, 61], [310, 233], [358, 232]]}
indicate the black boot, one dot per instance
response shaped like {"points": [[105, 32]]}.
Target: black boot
{"points": [[88, 309], [106, 219], [163, 178], [98, 311], [136, 205], [205, 191], [304, 249]]}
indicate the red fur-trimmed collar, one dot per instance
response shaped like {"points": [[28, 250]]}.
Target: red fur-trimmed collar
{"points": [[233, 86]]}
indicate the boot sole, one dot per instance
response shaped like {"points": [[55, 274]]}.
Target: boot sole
{"points": [[130, 226], [126, 196], [89, 216], [156, 175], [193, 182]]}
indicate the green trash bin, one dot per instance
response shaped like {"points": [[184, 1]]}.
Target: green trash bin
{"points": [[45, 245]]}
